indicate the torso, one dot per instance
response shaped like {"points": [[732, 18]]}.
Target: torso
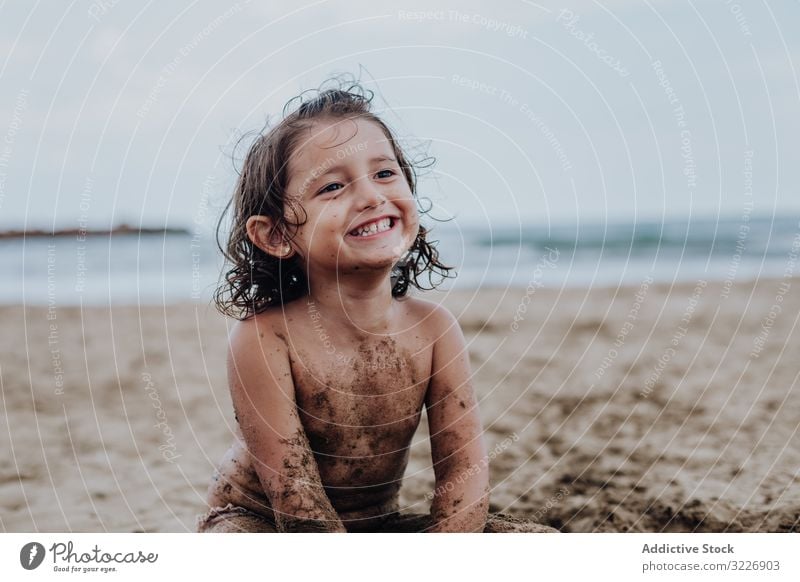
{"points": [[360, 404]]}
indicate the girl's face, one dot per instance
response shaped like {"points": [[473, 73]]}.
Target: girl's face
{"points": [[360, 212]]}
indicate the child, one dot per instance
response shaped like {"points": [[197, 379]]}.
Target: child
{"points": [[331, 361]]}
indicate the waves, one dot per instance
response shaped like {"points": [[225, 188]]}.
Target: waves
{"points": [[177, 266]]}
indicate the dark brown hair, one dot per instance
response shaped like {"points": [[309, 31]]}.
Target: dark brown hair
{"points": [[257, 280]]}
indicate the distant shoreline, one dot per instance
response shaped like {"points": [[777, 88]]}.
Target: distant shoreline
{"points": [[121, 230]]}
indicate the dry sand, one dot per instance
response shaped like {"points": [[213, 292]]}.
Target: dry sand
{"points": [[588, 431]]}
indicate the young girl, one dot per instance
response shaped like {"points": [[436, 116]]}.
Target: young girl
{"points": [[331, 362]]}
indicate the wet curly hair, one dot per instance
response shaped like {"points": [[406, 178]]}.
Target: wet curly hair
{"points": [[255, 280]]}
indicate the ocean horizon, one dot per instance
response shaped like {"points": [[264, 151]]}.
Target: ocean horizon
{"points": [[178, 266]]}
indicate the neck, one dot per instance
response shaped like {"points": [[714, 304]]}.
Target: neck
{"points": [[359, 302]]}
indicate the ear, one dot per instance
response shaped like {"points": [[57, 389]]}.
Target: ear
{"points": [[262, 232]]}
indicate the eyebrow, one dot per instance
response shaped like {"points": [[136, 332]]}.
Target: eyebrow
{"points": [[337, 168]]}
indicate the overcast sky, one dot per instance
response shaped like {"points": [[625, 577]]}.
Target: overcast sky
{"points": [[127, 111]]}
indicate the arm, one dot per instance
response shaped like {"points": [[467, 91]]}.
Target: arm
{"points": [[264, 400], [460, 463]]}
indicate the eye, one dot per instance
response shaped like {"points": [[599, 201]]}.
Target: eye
{"points": [[385, 174], [331, 188]]}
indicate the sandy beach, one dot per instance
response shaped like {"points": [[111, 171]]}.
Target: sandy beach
{"points": [[646, 408]]}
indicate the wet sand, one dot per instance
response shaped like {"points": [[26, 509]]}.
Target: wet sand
{"points": [[649, 408]]}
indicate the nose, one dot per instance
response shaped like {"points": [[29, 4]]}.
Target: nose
{"points": [[370, 195]]}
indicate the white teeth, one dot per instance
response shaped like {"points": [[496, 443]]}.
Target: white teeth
{"points": [[373, 227]]}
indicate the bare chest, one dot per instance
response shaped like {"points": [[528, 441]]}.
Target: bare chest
{"points": [[368, 396]]}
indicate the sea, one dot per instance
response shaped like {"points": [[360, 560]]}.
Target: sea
{"points": [[172, 267]]}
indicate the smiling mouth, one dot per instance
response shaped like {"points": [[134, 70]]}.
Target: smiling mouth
{"points": [[373, 228]]}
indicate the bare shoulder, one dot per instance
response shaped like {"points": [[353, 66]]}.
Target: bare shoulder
{"points": [[436, 318], [261, 334]]}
